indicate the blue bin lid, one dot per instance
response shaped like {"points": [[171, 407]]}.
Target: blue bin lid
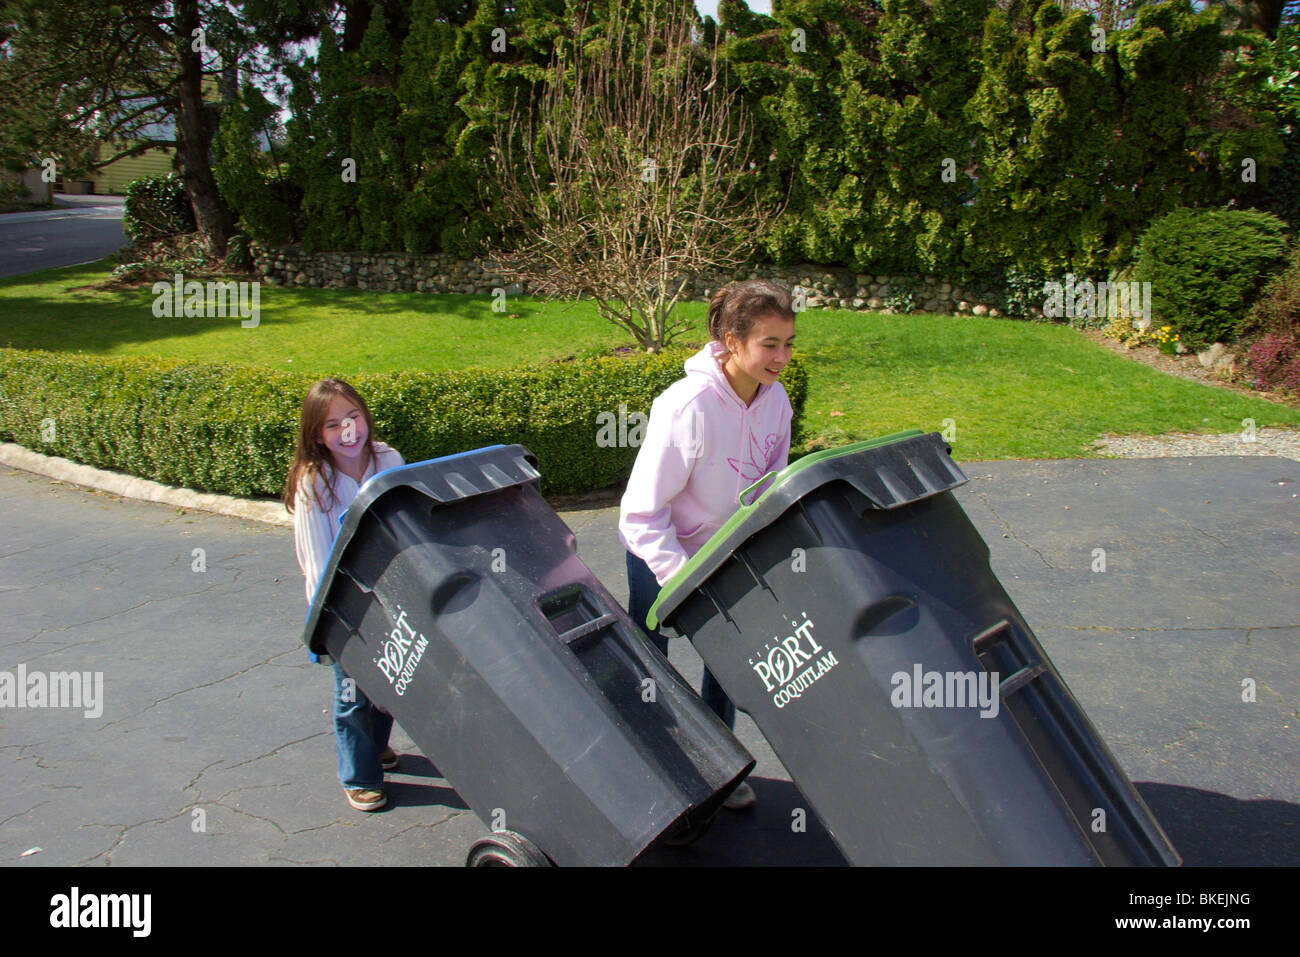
{"points": [[445, 480]]}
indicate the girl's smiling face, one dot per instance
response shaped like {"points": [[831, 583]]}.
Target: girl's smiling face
{"points": [[760, 357], [344, 433]]}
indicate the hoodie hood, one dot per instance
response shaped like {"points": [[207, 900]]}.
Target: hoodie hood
{"points": [[703, 445], [708, 363]]}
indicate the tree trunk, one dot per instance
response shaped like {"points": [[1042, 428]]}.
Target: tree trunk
{"points": [[355, 24], [194, 137], [1265, 15]]}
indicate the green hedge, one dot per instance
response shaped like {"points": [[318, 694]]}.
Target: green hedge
{"points": [[1206, 267], [156, 207], [231, 429]]}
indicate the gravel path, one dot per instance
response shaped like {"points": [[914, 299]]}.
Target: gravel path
{"points": [[1280, 442]]}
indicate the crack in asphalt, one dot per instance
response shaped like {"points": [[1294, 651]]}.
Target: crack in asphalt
{"points": [[23, 747], [337, 822], [73, 565], [256, 817], [91, 621], [245, 787], [1176, 742], [276, 749], [428, 824], [47, 543], [202, 771], [1195, 528], [126, 829], [983, 496], [182, 691], [21, 813]]}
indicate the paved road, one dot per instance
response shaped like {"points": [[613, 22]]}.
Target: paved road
{"points": [[214, 743], [89, 228]]}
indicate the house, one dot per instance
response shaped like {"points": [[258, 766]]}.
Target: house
{"points": [[113, 178]]}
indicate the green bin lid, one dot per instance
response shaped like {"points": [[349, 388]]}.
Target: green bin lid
{"points": [[891, 471]]}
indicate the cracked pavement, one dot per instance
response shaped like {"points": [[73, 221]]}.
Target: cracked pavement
{"points": [[215, 742]]}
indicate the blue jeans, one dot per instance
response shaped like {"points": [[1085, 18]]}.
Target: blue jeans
{"points": [[642, 590], [361, 732]]}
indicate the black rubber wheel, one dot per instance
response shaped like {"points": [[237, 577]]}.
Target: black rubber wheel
{"points": [[506, 849], [690, 833]]}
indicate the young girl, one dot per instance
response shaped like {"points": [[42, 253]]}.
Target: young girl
{"points": [[710, 436], [336, 454]]}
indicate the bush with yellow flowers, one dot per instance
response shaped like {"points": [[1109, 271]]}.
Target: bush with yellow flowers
{"points": [[1166, 340], [1120, 328]]}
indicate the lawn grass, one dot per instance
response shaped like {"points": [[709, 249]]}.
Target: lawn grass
{"points": [[343, 331], [1011, 389]]}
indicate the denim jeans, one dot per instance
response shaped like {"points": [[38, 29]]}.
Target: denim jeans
{"points": [[643, 589], [361, 732]]}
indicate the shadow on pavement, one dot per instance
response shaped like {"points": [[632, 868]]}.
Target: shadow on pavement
{"points": [[1210, 829], [416, 764], [423, 795], [766, 834]]}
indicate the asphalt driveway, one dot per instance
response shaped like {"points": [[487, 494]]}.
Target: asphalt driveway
{"points": [[214, 745]]}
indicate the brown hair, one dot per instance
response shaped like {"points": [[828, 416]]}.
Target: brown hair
{"points": [[310, 455], [735, 308]]}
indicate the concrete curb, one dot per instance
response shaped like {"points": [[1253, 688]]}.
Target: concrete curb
{"points": [[128, 486], [274, 513]]}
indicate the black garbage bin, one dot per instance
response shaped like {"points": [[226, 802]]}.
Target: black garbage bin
{"points": [[455, 599], [852, 612]]}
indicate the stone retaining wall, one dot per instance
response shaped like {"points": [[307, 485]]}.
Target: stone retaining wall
{"points": [[822, 287]]}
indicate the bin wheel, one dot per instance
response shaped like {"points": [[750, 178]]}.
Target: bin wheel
{"points": [[690, 833], [506, 849]]}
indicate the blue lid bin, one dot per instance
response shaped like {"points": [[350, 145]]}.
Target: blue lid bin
{"points": [[455, 598]]}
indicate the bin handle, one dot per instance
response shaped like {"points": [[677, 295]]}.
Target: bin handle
{"points": [[741, 496]]}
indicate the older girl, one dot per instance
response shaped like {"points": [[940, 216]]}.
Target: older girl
{"points": [[710, 436]]}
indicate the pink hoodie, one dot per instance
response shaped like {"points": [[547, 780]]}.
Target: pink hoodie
{"points": [[703, 446]]}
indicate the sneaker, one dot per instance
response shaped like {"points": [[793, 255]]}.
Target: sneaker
{"points": [[388, 759], [366, 799], [741, 798]]}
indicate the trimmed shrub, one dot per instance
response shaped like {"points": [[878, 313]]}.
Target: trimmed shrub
{"points": [[231, 429], [156, 207], [1206, 267]]}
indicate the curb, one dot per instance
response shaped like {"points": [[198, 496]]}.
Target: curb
{"points": [[144, 490]]}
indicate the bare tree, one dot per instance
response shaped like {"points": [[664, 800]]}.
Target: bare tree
{"points": [[1262, 15], [1107, 14], [628, 173]]}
